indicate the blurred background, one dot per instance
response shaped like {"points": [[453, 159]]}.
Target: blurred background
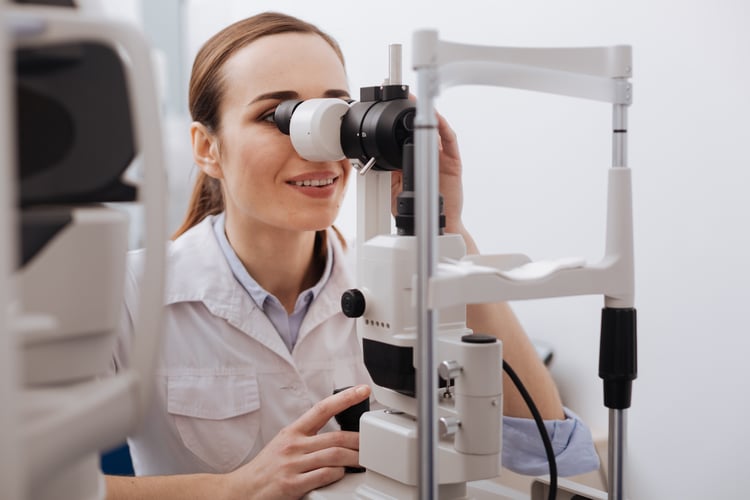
{"points": [[535, 171]]}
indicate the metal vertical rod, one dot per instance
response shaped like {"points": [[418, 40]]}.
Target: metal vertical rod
{"points": [[617, 421], [619, 135], [394, 64], [426, 192], [616, 454]]}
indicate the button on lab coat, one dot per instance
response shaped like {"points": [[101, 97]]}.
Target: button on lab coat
{"points": [[225, 383]]}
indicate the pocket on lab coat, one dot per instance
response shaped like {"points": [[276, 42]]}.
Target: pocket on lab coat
{"points": [[217, 416]]}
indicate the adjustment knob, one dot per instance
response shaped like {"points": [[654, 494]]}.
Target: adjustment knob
{"points": [[449, 369], [448, 426], [353, 303]]}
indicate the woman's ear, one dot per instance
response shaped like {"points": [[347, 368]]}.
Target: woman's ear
{"points": [[205, 150]]}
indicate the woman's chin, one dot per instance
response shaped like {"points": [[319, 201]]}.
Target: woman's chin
{"points": [[308, 223]]}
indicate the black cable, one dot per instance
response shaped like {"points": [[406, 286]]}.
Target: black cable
{"points": [[540, 425]]}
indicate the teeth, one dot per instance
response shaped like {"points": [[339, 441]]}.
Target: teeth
{"points": [[315, 182]]}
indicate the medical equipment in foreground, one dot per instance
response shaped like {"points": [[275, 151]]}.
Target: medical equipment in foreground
{"points": [[440, 435], [86, 109], [10, 447]]}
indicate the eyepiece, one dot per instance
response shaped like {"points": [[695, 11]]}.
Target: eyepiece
{"points": [[331, 129], [283, 114]]}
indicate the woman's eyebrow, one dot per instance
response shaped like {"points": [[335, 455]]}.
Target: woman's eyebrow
{"points": [[281, 95], [336, 93], [284, 95]]}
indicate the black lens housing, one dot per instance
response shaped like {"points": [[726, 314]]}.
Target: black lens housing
{"points": [[378, 126]]}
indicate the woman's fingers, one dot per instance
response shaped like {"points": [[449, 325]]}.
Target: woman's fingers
{"points": [[448, 138], [324, 464], [327, 457], [316, 417], [318, 478], [336, 439], [450, 157]]}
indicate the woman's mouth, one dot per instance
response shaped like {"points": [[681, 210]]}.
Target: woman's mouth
{"points": [[321, 188], [314, 182]]}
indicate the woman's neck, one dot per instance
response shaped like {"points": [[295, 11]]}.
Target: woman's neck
{"points": [[283, 262]]}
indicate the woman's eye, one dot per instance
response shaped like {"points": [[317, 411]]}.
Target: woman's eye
{"points": [[268, 117]]}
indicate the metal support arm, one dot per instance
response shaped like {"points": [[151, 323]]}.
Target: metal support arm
{"points": [[597, 73]]}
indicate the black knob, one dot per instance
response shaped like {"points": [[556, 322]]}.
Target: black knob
{"points": [[349, 421], [353, 303]]}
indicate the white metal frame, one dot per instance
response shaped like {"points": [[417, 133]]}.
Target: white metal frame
{"points": [[597, 73]]}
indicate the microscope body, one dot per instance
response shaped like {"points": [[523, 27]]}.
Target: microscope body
{"points": [[470, 396]]}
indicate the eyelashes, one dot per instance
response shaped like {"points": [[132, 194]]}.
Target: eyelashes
{"points": [[268, 116]]}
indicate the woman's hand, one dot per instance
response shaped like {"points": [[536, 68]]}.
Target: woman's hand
{"points": [[450, 184], [299, 460]]}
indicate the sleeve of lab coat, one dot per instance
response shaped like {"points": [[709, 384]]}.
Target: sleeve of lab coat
{"points": [[523, 451]]}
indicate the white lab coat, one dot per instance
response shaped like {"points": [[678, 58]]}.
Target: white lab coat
{"points": [[225, 382]]}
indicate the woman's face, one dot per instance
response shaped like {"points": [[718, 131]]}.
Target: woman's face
{"points": [[264, 178]]}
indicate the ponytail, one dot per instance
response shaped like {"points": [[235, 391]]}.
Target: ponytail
{"points": [[205, 200]]}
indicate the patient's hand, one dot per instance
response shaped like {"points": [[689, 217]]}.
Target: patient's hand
{"points": [[299, 460]]}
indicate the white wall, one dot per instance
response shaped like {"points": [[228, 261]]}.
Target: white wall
{"points": [[535, 173]]}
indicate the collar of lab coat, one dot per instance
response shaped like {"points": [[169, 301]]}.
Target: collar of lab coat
{"points": [[198, 271]]}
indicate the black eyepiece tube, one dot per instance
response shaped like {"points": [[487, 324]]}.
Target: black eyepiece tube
{"points": [[283, 114]]}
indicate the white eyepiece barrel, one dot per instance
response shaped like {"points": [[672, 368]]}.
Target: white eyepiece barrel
{"points": [[315, 129]]}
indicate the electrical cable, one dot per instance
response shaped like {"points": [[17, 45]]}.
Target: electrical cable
{"points": [[540, 425]]}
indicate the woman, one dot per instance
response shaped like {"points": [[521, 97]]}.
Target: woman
{"points": [[255, 340]]}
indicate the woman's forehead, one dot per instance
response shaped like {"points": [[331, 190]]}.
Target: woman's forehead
{"points": [[302, 62]]}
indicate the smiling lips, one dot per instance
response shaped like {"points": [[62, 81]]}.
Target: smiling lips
{"points": [[315, 188], [314, 182]]}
